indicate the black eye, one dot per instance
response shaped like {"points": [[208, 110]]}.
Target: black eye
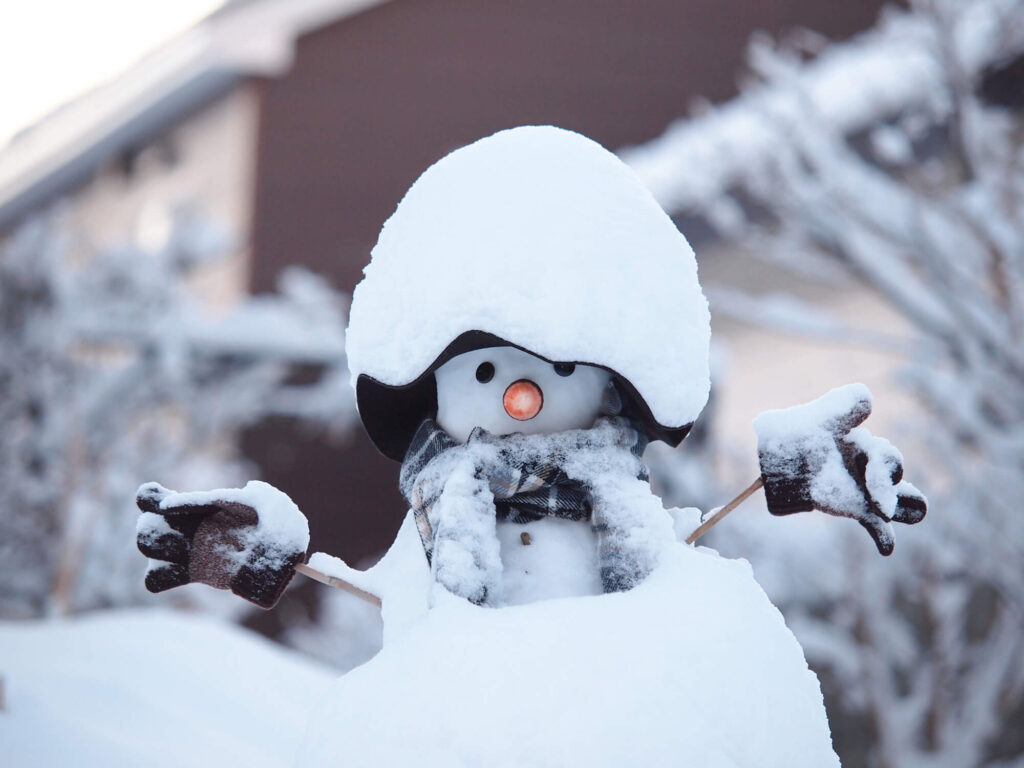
{"points": [[484, 372], [565, 369]]}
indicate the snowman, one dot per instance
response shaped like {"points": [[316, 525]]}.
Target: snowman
{"points": [[529, 321]]}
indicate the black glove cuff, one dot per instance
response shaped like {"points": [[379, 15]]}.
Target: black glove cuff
{"points": [[787, 492], [264, 586]]}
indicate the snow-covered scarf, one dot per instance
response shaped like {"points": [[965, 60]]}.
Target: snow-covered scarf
{"points": [[457, 492]]}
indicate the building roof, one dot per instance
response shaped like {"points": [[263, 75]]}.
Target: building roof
{"points": [[251, 38]]}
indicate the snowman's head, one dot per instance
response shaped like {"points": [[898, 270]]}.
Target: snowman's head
{"points": [[483, 380], [506, 390], [541, 243]]}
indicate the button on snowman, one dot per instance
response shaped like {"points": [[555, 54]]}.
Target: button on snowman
{"points": [[529, 320]]}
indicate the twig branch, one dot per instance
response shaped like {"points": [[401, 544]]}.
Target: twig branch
{"points": [[334, 581], [712, 521]]}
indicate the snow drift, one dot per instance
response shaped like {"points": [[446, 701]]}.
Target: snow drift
{"points": [[694, 666], [153, 688]]}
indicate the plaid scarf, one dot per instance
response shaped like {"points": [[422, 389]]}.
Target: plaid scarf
{"points": [[526, 490]]}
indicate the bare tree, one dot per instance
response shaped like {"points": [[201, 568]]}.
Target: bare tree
{"points": [[114, 373], [896, 162]]}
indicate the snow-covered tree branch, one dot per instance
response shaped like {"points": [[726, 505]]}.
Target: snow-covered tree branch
{"points": [[897, 159], [113, 372]]}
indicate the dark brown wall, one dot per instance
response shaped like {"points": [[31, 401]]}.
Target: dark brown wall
{"points": [[374, 99]]}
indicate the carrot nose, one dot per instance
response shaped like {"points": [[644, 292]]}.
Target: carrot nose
{"points": [[523, 400]]}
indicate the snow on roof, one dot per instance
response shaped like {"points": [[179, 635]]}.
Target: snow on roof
{"points": [[253, 38], [851, 86]]}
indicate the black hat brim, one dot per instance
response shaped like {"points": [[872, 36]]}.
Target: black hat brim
{"points": [[392, 414]]}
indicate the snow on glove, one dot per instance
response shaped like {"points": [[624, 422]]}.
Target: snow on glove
{"points": [[248, 540], [814, 456]]}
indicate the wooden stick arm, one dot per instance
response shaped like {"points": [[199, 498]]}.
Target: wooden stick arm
{"points": [[712, 521], [334, 581]]}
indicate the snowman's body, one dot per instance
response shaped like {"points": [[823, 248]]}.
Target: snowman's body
{"points": [[693, 667], [547, 558]]}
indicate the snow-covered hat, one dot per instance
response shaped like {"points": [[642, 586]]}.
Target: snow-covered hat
{"points": [[540, 238]]}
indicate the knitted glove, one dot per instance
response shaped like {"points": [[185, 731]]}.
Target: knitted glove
{"points": [[248, 540], [814, 456]]}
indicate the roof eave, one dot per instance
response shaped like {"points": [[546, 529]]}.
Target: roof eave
{"points": [[190, 70]]}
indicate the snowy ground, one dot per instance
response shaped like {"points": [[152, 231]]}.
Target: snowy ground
{"points": [[152, 688]]}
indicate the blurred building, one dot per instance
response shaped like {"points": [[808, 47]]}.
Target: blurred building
{"points": [[299, 124]]}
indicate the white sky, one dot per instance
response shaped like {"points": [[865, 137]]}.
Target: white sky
{"points": [[52, 50]]}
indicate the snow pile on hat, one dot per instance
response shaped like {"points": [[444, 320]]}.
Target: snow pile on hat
{"points": [[692, 667], [545, 239]]}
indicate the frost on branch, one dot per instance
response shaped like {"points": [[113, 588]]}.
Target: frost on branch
{"points": [[112, 370], [815, 456], [893, 162]]}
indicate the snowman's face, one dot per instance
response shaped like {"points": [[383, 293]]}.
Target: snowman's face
{"points": [[506, 390]]}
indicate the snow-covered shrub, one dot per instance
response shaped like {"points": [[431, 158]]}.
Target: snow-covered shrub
{"points": [[896, 160], [112, 373]]}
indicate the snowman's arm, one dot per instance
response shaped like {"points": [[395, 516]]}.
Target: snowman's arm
{"points": [[816, 456], [690, 523], [335, 572], [400, 582], [715, 518]]}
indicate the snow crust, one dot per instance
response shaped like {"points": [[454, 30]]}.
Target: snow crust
{"points": [[544, 238], [694, 666], [151, 688]]}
